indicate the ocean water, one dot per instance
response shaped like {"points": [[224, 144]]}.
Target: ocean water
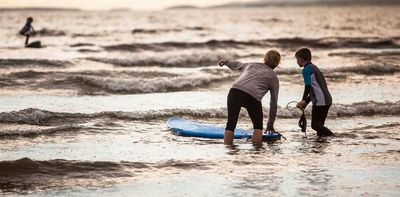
{"points": [[86, 114]]}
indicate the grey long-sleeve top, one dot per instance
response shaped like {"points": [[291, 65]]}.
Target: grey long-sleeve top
{"points": [[257, 79]]}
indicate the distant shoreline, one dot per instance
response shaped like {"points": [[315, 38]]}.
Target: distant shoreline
{"points": [[261, 4], [254, 4], [39, 9], [309, 3], [182, 7]]}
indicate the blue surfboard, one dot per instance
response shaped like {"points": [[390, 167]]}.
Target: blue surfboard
{"points": [[188, 128]]}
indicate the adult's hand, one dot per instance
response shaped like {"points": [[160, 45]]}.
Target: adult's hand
{"points": [[222, 60], [270, 130]]}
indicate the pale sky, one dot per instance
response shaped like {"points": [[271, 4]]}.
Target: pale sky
{"points": [[109, 4]]}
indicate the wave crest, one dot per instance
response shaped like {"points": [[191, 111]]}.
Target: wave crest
{"points": [[182, 60], [329, 42], [27, 174], [7, 134], [145, 85], [49, 32], [32, 62], [370, 69], [43, 117]]}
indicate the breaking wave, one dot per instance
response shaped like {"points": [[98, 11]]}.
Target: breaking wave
{"points": [[87, 35], [156, 31], [372, 42], [32, 62], [371, 69], [27, 174], [49, 32], [103, 82], [182, 60], [43, 117], [367, 108], [26, 74], [122, 82], [64, 167], [6, 134], [146, 85], [368, 54], [136, 47], [55, 167], [81, 44], [153, 31]]}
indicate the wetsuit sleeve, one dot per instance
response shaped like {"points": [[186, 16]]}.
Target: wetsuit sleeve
{"points": [[273, 105], [307, 72], [24, 29], [235, 65], [306, 94]]}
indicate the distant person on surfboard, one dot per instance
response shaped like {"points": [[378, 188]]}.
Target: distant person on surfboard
{"points": [[248, 90], [27, 30], [315, 90]]}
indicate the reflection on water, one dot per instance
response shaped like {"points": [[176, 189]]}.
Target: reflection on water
{"points": [[85, 116], [122, 152], [313, 145]]}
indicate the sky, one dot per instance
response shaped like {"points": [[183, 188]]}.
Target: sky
{"points": [[134, 4], [111, 4]]}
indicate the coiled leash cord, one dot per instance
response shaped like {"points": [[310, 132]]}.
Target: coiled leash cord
{"points": [[302, 121]]}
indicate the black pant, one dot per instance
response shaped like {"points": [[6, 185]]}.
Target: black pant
{"points": [[319, 114], [238, 99], [27, 39]]}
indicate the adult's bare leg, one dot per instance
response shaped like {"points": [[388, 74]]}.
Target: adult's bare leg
{"points": [[228, 137], [257, 137]]}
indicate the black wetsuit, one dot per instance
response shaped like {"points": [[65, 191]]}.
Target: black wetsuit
{"points": [[317, 91], [26, 31]]}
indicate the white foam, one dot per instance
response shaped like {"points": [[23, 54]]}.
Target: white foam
{"points": [[184, 59], [146, 85], [370, 69], [40, 117], [32, 132]]}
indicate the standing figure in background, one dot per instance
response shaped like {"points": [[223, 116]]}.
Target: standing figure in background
{"points": [[27, 30]]}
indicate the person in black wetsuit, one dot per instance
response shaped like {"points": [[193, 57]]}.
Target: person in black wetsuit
{"points": [[27, 30], [316, 90]]}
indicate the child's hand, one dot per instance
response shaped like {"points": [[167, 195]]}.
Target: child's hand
{"points": [[302, 104]]}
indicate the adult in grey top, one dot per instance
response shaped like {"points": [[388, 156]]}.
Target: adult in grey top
{"points": [[255, 80]]}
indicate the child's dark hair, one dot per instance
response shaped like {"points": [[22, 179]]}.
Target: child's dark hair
{"points": [[30, 19], [304, 53]]}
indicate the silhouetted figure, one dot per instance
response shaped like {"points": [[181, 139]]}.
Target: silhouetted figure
{"points": [[27, 29]]}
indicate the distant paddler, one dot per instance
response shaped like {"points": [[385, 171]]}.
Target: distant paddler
{"points": [[27, 30]]}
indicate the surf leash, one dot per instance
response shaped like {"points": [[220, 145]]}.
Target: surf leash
{"points": [[303, 121], [281, 135], [267, 131]]}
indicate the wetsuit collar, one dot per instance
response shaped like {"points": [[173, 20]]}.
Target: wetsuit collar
{"points": [[307, 64]]}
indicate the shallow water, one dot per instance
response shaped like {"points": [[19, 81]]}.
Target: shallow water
{"points": [[143, 155], [85, 116]]}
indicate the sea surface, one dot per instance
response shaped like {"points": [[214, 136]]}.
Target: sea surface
{"points": [[86, 114]]}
